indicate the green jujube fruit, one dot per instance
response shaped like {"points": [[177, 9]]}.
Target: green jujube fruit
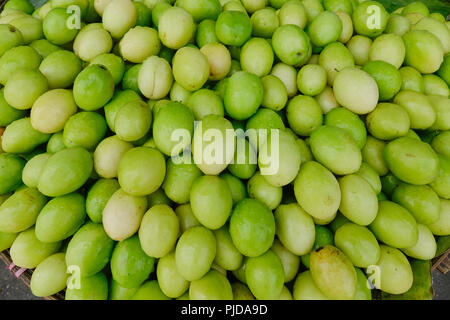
{"points": [[441, 227], [130, 266], [90, 288], [159, 231], [252, 227], [423, 51], [333, 273], [108, 154], [11, 168], [173, 118], [323, 236], [306, 289], [98, 196], [359, 201], [21, 137], [411, 160], [195, 252], [212, 286], [290, 261], [227, 256], [209, 162], [291, 44], [388, 121], [50, 276], [317, 190], [170, 281], [294, 228], [8, 113], [282, 168], [233, 28], [441, 185], [371, 176], [134, 175], [363, 291], [412, 79], [425, 248], [335, 149], [117, 292], [358, 243], [441, 143], [243, 95], [420, 111], [133, 120], [257, 57], [394, 225], [245, 159], [421, 201], [33, 169], [89, 249], [373, 155], [122, 215], [180, 175], [52, 226], [19, 212], [120, 98], [28, 252], [6, 240], [265, 276], [387, 77], [258, 188], [236, 186], [65, 172], [84, 129], [21, 57], [93, 87], [55, 143], [241, 292], [350, 122], [325, 28], [150, 290], [394, 274], [370, 18], [211, 201]]}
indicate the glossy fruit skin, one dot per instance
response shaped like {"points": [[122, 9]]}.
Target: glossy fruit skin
{"points": [[31, 79], [84, 129], [51, 68], [291, 44], [358, 243], [388, 48], [130, 266], [175, 35], [312, 177], [118, 17], [93, 88], [19, 212], [98, 197], [423, 51], [92, 41], [295, 228], [304, 115], [394, 225], [395, 272], [55, 27], [233, 28], [264, 22], [28, 252], [388, 121], [325, 28], [90, 249], [389, 80], [11, 173], [333, 273], [51, 227], [195, 252], [407, 157], [265, 276], [259, 223], [212, 286], [442, 182], [133, 175], [20, 137], [420, 111], [328, 145], [421, 201], [243, 95], [363, 18], [442, 225], [211, 201], [257, 57], [50, 276], [91, 288], [169, 279], [70, 168], [149, 85], [306, 289], [11, 37]]}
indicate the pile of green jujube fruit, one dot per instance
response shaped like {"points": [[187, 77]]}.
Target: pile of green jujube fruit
{"points": [[101, 201]]}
